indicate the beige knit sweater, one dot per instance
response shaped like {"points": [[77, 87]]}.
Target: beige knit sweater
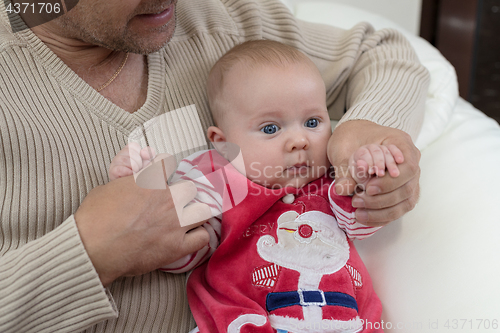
{"points": [[58, 135]]}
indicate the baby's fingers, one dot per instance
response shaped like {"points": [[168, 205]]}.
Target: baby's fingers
{"points": [[390, 163], [378, 157], [119, 171], [133, 152], [361, 171], [147, 155], [396, 153], [359, 164]]}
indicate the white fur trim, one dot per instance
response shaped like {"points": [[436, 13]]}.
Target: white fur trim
{"points": [[325, 254], [249, 318]]}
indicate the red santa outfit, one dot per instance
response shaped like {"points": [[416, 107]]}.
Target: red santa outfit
{"points": [[283, 265]]}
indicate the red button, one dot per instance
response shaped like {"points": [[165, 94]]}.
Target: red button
{"points": [[305, 230]]}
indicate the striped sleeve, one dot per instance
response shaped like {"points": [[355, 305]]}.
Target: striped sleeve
{"points": [[195, 259], [344, 213], [195, 168]]}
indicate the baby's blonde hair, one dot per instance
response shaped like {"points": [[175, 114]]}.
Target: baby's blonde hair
{"points": [[252, 54]]}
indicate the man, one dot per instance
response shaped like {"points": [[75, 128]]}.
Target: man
{"points": [[72, 91]]}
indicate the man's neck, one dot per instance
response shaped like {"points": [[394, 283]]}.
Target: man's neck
{"points": [[96, 65], [77, 54]]}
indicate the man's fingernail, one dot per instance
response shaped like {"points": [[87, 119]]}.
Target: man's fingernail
{"points": [[358, 203], [361, 215], [373, 190]]}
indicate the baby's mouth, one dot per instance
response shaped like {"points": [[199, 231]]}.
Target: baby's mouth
{"points": [[298, 169]]}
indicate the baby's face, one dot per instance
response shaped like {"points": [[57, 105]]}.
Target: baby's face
{"points": [[278, 117]]}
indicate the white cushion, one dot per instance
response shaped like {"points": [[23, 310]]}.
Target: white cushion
{"points": [[440, 261]]}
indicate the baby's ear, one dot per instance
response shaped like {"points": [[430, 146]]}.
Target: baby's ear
{"points": [[215, 134]]}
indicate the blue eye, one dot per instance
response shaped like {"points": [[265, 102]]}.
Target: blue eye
{"points": [[312, 123], [270, 129]]}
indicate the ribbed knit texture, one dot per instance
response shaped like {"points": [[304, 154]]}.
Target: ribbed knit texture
{"points": [[58, 135]]}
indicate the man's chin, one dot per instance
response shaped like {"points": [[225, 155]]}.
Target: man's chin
{"points": [[149, 47], [146, 49], [145, 42]]}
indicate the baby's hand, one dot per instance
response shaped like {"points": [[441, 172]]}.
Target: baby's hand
{"points": [[129, 160], [373, 160]]}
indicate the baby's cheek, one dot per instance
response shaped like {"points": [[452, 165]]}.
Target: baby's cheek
{"points": [[253, 170], [320, 171], [322, 164]]}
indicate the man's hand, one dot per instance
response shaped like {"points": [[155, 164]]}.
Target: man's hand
{"points": [[386, 198], [128, 230]]}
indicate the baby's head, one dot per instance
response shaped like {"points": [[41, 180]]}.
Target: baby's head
{"points": [[270, 100]]}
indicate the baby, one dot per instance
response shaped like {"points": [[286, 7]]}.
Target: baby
{"points": [[286, 262]]}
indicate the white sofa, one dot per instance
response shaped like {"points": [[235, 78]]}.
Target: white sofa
{"points": [[437, 268]]}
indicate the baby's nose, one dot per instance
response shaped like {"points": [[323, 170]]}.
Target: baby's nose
{"points": [[298, 141]]}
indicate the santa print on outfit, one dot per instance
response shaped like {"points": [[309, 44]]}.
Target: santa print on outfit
{"points": [[281, 267]]}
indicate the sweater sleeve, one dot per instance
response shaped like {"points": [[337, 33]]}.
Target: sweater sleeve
{"points": [[345, 214], [50, 285], [387, 85], [369, 75]]}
